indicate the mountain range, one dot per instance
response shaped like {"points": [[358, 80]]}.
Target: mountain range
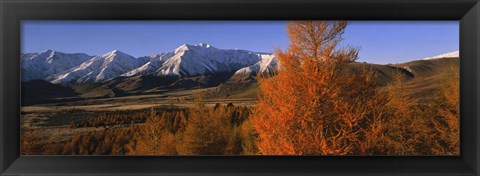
{"points": [[185, 61]]}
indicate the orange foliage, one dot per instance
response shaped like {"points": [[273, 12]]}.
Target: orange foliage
{"points": [[312, 106], [205, 131], [404, 130], [447, 126], [29, 143], [155, 138]]}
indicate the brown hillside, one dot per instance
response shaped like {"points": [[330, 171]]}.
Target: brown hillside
{"points": [[430, 75], [424, 77]]}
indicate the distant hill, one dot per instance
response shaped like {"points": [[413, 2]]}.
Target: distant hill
{"points": [[35, 91], [383, 73], [429, 75], [423, 78], [425, 68]]}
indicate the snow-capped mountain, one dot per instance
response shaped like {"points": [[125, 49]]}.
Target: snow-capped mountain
{"points": [[203, 59], [44, 64], [98, 69], [184, 61], [446, 55], [268, 65], [153, 63]]}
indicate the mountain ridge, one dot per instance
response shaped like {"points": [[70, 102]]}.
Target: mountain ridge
{"points": [[185, 61]]}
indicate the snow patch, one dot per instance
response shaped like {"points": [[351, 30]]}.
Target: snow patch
{"points": [[446, 55]]}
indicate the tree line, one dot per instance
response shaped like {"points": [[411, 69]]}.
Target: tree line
{"points": [[199, 130]]}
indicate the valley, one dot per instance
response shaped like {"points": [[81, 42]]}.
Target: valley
{"points": [[177, 98]]}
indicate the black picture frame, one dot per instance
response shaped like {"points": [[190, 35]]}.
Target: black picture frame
{"points": [[13, 11]]}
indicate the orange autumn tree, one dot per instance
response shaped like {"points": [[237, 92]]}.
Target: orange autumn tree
{"points": [[154, 138], [404, 130], [314, 105], [205, 131], [447, 126], [150, 135]]}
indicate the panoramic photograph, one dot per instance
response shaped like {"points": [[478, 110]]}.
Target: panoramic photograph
{"points": [[232, 88]]}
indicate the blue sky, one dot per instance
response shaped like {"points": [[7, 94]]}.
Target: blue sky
{"points": [[380, 41]]}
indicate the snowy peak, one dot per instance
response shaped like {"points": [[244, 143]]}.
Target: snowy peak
{"points": [[117, 56], [115, 53], [446, 55], [268, 65], [204, 59], [98, 69], [48, 51], [204, 45], [153, 63], [200, 46], [41, 65]]}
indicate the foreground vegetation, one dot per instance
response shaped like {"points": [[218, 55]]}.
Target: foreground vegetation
{"points": [[170, 131]]}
